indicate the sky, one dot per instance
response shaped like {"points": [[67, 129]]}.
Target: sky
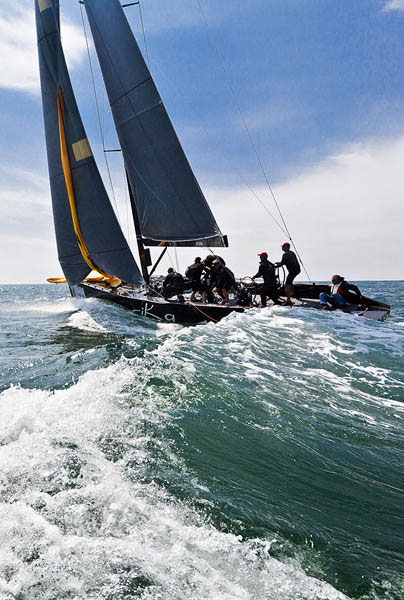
{"points": [[321, 86]]}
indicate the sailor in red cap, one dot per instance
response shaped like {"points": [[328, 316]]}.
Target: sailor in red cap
{"points": [[267, 271], [289, 260]]}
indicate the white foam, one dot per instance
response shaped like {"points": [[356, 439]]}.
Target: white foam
{"points": [[75, 522], [85, 322], [43, 305]]}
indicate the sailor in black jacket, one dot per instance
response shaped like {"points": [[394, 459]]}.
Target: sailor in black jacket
{"points": [[290, 261], [194, 273], [267, 271], [223, 280], [173, 284]]}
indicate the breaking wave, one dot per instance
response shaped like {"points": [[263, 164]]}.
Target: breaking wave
{"points": [[256, 458]]}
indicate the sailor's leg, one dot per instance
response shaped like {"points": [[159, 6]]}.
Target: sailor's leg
{"points": [[340, 300], [274, 294], [289, 289], [288, 292], [324, 298], [169, 291], [209, 295]]}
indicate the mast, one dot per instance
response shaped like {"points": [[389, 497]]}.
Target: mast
{"points": [[144, 253]]}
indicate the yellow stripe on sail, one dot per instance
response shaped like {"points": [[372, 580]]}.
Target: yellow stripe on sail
{"points": [[114, 281], [89, 279], [44, 4]]}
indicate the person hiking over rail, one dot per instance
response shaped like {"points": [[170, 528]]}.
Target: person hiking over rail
{"points": [[340, 293]]}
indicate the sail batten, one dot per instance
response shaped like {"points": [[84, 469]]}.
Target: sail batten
{"points": [[170, 204], [92, 237]]}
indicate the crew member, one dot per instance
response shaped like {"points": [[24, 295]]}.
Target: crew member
{"points": [[340, 293], [209, 274], [173, 284], [194, 273], [208, 262], [289, 260], [223, 280], [270, 286]]}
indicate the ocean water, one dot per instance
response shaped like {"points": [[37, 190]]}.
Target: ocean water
{"points": [[259, 458]]}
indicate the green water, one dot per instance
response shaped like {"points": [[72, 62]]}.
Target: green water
{"points": [[257, 458]]}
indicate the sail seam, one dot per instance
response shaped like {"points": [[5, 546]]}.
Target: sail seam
{"points": [[47, 35], [110, 251], [193, 239], [65, 257], [126, 92], [145, 110], [72, 168]]}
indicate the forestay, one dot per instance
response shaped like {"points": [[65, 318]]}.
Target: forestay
{"points": [[170, 205], [106, 245]]}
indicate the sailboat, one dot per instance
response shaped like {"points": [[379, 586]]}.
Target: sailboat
{"points": [[168, 205]]}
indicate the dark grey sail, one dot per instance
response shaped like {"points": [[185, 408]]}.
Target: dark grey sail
{"points": [[170, 205], [99, 227]]}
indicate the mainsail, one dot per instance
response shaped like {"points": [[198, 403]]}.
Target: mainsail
{"points": [[170, 205], [88, 234]]}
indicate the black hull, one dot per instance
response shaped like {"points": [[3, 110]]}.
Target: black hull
{"points": [[161, 310], [171, 311]]}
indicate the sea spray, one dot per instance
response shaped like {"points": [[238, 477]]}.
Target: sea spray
{"points": [[256, 458]]}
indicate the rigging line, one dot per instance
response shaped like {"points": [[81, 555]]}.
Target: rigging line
{"points": [[248, 186], [127, 212], [253, 145], [261, 202], [170, 259], [144, 35], [176, 259], [148, 288], [98, 115], [164, 169]]}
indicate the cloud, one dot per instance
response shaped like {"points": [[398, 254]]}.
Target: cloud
{"points": [[18, 47], [395, 5], [346, 215], [24, 202], [27, 242], [28, 260]]}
